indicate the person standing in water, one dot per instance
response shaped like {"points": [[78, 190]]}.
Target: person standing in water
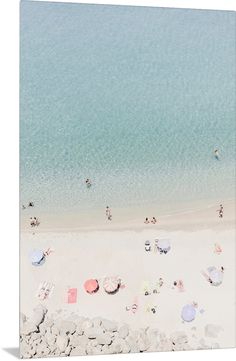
{"points": [[88, 183], [216, 153]]}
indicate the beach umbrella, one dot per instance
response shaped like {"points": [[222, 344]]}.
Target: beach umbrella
{"points": [[188, 313], [111, 284], [37, 257], [163, 245], [91, 286], [216, 276]]}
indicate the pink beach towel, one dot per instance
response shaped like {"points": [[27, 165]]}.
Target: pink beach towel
{"points": [[72, 295]]}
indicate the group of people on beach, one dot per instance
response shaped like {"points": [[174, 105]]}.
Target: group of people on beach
{"points": [[153, 220], [34, 222]]}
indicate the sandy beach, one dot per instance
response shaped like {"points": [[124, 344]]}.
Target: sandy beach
{"points": [[113, 250]]}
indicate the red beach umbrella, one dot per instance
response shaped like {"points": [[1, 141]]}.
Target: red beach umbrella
{"points": [[111, 284], [91, 286]]}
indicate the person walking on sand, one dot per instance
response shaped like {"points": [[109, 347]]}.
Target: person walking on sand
{"points": [[108, 213], [154, 221], [146, 220], [221, 211]]}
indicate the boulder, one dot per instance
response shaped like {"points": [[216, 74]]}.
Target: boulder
{"points": [[62, 342], [123, 331], [104, 339], [109, 325], [78, 351], [28, 328], [212, 330]]}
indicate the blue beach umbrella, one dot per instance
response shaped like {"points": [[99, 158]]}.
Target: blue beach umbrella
{"points": [[188, 313], [163, 245], [37, 257]]}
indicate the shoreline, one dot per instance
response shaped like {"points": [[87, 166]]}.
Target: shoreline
{"points": [[131, 219]]}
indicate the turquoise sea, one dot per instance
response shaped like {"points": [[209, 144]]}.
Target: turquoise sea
{"points": [[134, 98]]}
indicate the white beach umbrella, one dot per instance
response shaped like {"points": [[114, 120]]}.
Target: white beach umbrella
{"points": [[37, 257], [216, 276]]}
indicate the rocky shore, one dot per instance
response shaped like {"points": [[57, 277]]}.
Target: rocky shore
{"points": [[58, 334]]}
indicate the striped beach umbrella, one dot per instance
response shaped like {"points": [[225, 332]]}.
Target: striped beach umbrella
{"points": [[111, 284]]}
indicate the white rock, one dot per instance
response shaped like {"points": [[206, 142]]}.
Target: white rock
{"points": [[66, 327], [24, 350], [22, 320], [93, 332], [28, 328], [78, 351], [62, 342], [54, 330], [109, 325], [35, 336], [50, 339], [143, 344], [97, 321], [115, 348], [104, 339], [123, 331], [79, 330], [38, 315], [86, 324], [212, 330], [81, 341], [178, 338], [67, 351]]}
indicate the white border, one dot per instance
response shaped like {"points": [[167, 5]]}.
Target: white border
{"points": [[9, 74], [192, 4]]}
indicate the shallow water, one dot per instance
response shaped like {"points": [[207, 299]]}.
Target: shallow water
{"points": [[136, 99]]}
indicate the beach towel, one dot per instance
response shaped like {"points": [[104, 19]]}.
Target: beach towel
{"points": [[72, 295]]}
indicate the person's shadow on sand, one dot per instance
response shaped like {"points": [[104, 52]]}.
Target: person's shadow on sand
{"points": [[14, 351]]}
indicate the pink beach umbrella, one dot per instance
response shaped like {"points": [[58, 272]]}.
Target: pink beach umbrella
{"points": [[91, 286], [111, 284]]}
